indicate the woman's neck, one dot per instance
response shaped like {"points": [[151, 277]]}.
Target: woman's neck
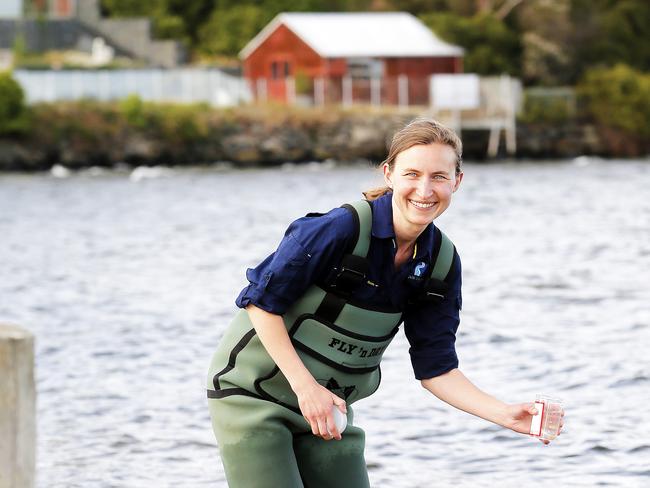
{"points": [[404, 252], [406, 243], [406, 234]]}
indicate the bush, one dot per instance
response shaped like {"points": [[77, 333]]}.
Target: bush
{"points": [[492, 48], [178, 124], [132, 108], [13, 112], [618, 98], [547, 106]]}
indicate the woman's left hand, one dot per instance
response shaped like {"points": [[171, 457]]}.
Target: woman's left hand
{"points": [[520, 415]]}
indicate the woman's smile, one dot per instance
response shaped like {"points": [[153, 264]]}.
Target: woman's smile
{"points": [[422, 205]]}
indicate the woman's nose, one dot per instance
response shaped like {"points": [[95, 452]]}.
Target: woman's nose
{"points": [[425, 188]]}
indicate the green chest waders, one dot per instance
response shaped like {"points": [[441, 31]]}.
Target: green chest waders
{"points": [[340, 342]]}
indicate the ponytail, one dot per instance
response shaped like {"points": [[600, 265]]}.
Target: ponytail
{"points": [[375, 193]]}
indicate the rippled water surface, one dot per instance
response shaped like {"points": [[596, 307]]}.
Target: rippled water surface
{"points": [[128, 284]]}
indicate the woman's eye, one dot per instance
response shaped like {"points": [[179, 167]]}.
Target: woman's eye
{"points": [[439, 177]]}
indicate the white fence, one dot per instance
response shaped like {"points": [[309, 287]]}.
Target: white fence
{"points": [[399, 91], [183, 85]]}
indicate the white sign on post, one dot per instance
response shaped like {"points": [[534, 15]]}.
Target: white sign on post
{"points": [[455, 91]]}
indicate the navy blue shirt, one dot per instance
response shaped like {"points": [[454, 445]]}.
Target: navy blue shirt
{"points": [[313, 246]]}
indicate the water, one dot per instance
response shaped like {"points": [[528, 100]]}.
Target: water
{"points": [[129, 283]]}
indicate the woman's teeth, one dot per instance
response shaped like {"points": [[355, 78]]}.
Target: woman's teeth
{"points": [[422, 205]]}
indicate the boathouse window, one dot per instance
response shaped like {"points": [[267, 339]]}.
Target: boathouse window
{"points": [[279, 69]]}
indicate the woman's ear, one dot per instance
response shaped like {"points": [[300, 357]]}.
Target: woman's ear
{"points": [[459, 178], [387, 175]]}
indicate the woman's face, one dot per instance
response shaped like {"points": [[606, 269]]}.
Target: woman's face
{"points": [[423, 179]]}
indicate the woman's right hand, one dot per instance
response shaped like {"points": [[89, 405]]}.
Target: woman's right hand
{"points": [[315, 403]]}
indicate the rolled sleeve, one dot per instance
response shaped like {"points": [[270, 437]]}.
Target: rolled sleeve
{"points": [[431, 331], [310, 247]]}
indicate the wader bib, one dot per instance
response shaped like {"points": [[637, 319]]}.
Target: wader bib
{"points": [[263, 438]]}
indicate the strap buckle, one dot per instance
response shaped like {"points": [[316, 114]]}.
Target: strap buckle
{"points": [[348, 279], [351, 273]]}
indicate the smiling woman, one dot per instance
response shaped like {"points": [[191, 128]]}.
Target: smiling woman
{"points": [[319, 313]]}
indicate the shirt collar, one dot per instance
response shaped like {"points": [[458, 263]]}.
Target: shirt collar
{"points": [[382, 226], [382, 217], [425, 243]]}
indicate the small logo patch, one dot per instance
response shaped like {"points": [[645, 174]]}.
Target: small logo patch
{"points": [[419, 269]]}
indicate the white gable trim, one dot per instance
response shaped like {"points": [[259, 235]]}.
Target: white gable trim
{"points": [[428, 46], [263, 35]]}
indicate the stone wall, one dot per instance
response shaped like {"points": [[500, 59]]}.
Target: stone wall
{"points": [[251, 137]]}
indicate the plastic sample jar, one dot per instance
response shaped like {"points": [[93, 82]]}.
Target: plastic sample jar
{"points": [[546, 424]]}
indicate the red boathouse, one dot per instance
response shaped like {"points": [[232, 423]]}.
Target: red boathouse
{"points": [[374, 57]]}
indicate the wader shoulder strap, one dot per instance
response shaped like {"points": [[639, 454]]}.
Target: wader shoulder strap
{"points": [[354, 267], [444, 257], [442, 272], [362, 215]]}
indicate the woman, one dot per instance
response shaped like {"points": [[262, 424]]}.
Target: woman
{"points": [[320, 311]]}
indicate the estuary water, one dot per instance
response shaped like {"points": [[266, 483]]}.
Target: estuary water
{"points": [[128, 279]]}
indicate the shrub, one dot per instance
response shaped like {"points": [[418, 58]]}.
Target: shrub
{"points": [[618, 97], [13, 112], [132, 108], [544, 106]]}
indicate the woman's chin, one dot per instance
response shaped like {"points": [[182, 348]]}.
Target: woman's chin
{"points": [[422, 216]]}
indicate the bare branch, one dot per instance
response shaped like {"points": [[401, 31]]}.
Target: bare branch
{"points": [[506, 8]]}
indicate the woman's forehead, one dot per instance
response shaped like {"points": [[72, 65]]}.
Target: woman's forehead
{"points": [[434, 157]]}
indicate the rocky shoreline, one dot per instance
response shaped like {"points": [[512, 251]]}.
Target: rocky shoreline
{"points": [[264, 138]]}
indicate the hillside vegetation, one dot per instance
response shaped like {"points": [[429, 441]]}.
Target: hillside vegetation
{"points": [[544, 42]]}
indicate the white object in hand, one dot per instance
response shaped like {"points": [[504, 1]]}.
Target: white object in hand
{"points": [[340, 419], [546, 424]]}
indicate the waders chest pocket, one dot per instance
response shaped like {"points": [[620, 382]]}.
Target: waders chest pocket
{"points": [[344, 362], [339, 348]]}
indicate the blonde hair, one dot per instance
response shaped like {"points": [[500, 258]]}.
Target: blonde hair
{"points": [[420, 131]]}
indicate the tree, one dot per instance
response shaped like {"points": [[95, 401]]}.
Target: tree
{"points": [[13, 112], [491, 46], [546, 31], [194, 14], [228, 31], [607, 33]]}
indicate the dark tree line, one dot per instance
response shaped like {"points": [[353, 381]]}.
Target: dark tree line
{"points": [[544, 42]]}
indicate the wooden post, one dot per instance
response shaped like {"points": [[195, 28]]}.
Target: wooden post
{"points": [[375, 91], [17, 408], [260, 90], [290, 87], [347, 91], [493, 142], [511, 116], [402, 91], [319, 92]]}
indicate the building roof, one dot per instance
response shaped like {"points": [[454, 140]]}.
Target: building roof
{"points": [[363, 34]]}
